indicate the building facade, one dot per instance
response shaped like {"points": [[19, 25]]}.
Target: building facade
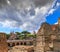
{"points": [[48, 38]]}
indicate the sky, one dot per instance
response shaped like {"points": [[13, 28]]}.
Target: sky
{"points": [[20, 15]]}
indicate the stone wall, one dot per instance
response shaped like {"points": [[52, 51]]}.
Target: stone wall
{"points": [[22, 49], [3, 43]]}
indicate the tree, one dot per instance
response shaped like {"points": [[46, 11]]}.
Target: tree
{"points": [[25, 33], [7, 36], [31, 35], [18, 33]]}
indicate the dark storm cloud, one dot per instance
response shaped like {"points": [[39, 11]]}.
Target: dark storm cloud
{"points": [[3, 3], [21, 3], [42, 2]]}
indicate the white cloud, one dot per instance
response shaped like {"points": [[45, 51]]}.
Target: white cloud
{"points": [[7, 23], [58, 4], [21, 18], [24, 25], [55, 6], [56, 23], [28, 22], [35, 21], [51, 11], [44, 9], [8, 2]]}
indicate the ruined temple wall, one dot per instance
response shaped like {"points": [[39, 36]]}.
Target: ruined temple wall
{"points": [[3, 43]]}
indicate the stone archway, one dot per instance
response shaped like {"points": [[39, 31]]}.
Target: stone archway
{"points": [[24, 43], [9, 44], [17, 43], [13, 44], [21, 43]]}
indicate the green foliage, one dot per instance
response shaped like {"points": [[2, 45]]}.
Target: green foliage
{"points": [[18, 33], [25, 32], [7, 36], [23, 35], [31, 35]]}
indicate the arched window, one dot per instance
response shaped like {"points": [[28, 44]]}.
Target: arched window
{"points": [[17, 44], [21, 43], [8, 44], [24, 43], [31, 43], [13, 44]]}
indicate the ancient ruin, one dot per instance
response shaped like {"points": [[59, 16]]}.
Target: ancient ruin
{"points": [[48, 38], [22, 49], [3, 43]]}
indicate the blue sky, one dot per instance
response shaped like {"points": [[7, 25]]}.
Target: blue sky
{"points": [[53, 18], [27, 15]]}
